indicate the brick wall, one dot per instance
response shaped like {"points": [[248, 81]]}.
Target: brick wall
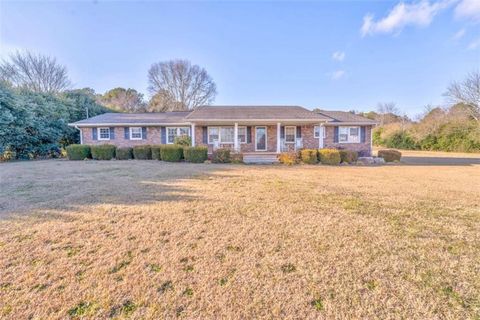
{"points": [[153, 137], [364, 149]]}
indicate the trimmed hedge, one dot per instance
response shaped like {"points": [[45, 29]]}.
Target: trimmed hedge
{"points": [[156, 152], [309, 156], [221, 155], [184, 141], [195, 154], [78, 152], [390, 155], [124, 153], [348, 156], [171, 153], [329, 156], [143, 152], [288, 158], [103, 152]]}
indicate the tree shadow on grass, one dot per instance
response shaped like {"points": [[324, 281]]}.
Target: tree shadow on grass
{"points": [[37, 187]]}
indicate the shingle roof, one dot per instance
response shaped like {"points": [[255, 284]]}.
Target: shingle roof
{"points": [[343, 116], [136, 118], [254, 112]]}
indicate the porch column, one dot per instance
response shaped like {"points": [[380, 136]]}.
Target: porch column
{"points": [[235, 138], [193, 134], [278, 137], [320, 136]]}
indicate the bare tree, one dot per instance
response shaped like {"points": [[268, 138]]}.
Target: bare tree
{"points": [[35, 72], [121, 99], [387, 111], [179, 85], [468, 93]]}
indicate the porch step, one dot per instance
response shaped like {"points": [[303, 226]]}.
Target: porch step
{"points": [[260, 158]]}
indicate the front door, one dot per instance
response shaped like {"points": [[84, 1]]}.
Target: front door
{"points": [[260, 138]]}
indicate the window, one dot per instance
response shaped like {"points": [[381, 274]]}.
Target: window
{"points": [[226, 134], [173, 132], [348, 134], [242, 134], [103, 133], [135, 133], [290, 134], [212, 135], [317, 131]]}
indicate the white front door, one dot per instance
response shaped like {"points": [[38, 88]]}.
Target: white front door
{"points": [[260, 138]]}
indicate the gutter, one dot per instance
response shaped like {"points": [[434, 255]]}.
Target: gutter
{"points": [[81, 138]]}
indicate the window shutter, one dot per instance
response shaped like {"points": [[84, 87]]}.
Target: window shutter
{"points": [[126, 132], [249, 134], [282, 132], [335, 134], [299, 131], [362, 134], [112, 133], [163, 137], [94, 134], [205, 135], [144, 133]]}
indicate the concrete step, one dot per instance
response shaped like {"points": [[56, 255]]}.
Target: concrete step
{"points": [[260, 158]]}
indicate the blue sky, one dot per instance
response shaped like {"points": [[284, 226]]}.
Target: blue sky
{"points": [[335, 55]]}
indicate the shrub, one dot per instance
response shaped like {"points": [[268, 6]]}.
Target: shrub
{"points": [[390, 155], [236, 157], [329, 156], [78, 152], [142, 152], [156, 152], [348, 156], [171, 153], [288, 158], [124, 153], [400, 140], [195, 154], [103, 152], [221, 155], [309, 156], [184, 141]]}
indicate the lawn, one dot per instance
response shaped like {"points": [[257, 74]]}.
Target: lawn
{"points": [[145, 239]]}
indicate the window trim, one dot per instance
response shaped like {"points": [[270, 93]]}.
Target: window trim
{"points": [[177, 129], [349, 140], [141, 133], [320, 128], [99, 136], [220, 136], [285, 134]]}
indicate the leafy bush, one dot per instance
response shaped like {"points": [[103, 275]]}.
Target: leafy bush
{"points": [[171, 153], [236, 157], [156, 152], [400, 140], [103, 152], [348, 156], [184, 141], [390, 155], [124, 153], [221, 155], [195, 154], [143, 152], [309, 156], [78, 152], [288, 158], [329, 156]]}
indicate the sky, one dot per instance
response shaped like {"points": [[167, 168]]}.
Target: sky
{"points": [[334, 55]]}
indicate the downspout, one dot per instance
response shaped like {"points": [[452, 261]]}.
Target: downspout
{"points": [[81, 138]]}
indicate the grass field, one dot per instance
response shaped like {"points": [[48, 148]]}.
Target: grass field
{"points": [[145, 239]]}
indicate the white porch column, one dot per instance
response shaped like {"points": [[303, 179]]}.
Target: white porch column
{"points": [[321, 138], [235, 138], [278, 137], [193, 134]]}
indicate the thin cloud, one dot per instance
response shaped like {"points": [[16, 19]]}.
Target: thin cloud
{"points": [[338, 55], [474, 44], [336, 75], [459, 34], [468, 9], [418, 14]]}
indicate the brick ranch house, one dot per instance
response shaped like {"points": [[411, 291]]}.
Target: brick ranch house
{"points": [[252, 130]]}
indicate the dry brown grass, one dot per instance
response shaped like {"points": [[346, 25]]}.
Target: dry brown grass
{"points": [[155, 240]]}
